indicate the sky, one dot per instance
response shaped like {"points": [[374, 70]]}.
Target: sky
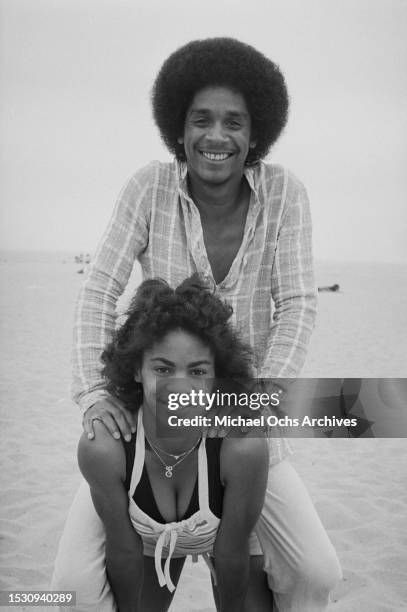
{"points": [[75, 117]]}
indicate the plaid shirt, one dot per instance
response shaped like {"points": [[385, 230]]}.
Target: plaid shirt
{"points": [[270, 284]]}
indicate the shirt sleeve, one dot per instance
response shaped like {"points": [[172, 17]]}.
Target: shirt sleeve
{"points": [[293, 289], [125, 238]]}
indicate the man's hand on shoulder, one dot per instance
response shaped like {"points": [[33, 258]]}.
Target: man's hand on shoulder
{"points": [[116, 419]]}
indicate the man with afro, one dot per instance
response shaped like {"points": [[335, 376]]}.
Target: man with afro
{"points": [[218, 210]]}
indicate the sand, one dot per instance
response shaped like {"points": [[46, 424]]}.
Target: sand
{"points": [[358, 486]]}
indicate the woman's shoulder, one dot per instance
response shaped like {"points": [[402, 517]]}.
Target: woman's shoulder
{"points": [[244, 456], [101, 458], [244, 445]]}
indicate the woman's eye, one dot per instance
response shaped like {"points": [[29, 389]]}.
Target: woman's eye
{"points": [[234, 125], [162, 370]]}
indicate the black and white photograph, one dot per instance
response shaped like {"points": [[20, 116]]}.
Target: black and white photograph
{"points": [[198, 196]]}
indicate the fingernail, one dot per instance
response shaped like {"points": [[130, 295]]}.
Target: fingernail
{"points": [[116, 435], [133, 430], [91, 436], [127, 437]]}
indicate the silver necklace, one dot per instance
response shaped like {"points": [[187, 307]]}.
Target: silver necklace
{"points": [[176, 457], [169, 468]]}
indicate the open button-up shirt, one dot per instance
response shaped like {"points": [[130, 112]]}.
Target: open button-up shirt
{"points": [[270, 284]]}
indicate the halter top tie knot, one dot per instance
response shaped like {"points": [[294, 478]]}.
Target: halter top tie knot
{"points": [[194, 536]]}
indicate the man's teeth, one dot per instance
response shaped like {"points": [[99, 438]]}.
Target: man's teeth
{"points": [[216, 156]]}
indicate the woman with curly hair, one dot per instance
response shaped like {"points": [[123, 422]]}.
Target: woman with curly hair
{"points": [[220, 211], [170, 493]]}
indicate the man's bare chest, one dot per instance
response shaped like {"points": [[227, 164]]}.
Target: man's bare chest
{"points": [[222, 243]]}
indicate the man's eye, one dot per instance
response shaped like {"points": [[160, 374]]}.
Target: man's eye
{"points": [[234, 125]]}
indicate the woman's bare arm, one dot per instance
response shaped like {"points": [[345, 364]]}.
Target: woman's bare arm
{"points": [[244, 469], [102, 463]]}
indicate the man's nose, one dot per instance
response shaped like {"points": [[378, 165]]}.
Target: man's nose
{"points": [[216, 133]]}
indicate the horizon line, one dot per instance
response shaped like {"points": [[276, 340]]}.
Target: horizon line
{"points": [[79, 251]]}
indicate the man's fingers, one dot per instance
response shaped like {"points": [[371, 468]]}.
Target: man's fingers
{"points": [[123, 424], [110, 424], [87, 425], [126, 420], [117, 420], [216, 432]]}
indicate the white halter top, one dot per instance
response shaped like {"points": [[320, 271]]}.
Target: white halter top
{"points": [[194, 536]]}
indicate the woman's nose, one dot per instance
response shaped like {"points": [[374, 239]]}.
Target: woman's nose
{"points": [[179, 385], [175, 387]]}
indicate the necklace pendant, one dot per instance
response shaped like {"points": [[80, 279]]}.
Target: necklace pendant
{"points": [[168, 471]]}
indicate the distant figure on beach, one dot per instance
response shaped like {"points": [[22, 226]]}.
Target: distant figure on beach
{"points": [[329, 288], [220, 211], [189, 495], [83, 259]]}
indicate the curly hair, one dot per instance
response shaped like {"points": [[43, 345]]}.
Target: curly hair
{"points": [[155, 310], [220, 62]]}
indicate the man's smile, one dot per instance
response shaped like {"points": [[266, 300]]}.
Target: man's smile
{"points": [[221, 156]]}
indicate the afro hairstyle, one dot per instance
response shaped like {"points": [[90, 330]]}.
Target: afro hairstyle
{"points": [[222, 62]]}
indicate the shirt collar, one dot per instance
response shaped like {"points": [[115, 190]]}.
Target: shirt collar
{"points": [[250, 172]]}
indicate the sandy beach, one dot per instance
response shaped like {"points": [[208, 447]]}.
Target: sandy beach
{"points": [[358, 486]]}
